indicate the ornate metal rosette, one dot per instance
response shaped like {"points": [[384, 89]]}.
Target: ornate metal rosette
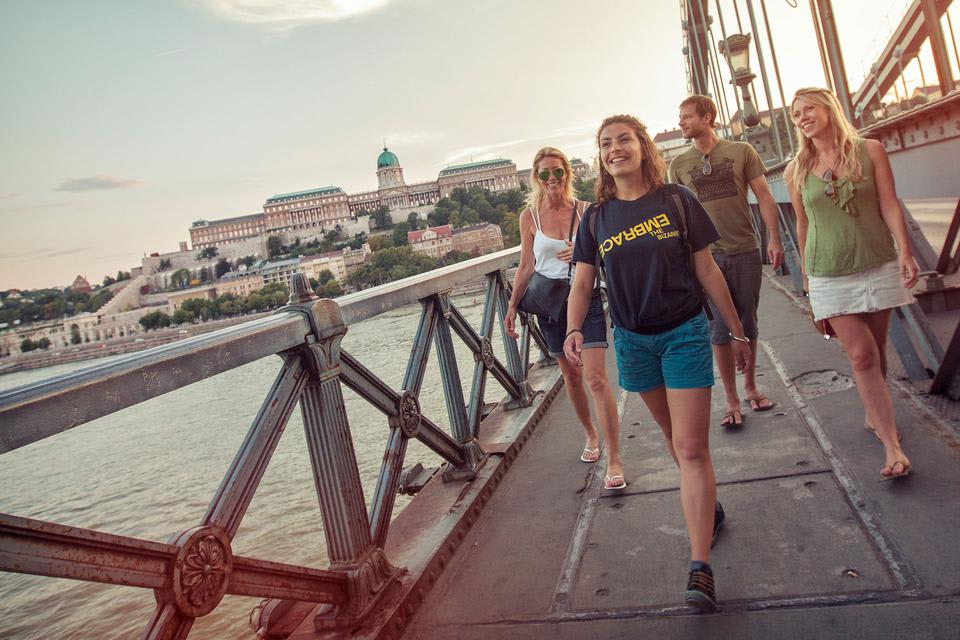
{"points": [[201, 571], [409, 409], [486, 352]]}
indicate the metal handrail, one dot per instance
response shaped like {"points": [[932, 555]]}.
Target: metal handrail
{"points": [[192, 572], [38, 410]]}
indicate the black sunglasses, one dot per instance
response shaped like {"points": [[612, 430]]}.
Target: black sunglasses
{"points": [[557, 172], [707, 167]]}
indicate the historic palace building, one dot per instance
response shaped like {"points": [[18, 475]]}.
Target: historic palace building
{"points": [[437, 242], [309, 214], [238, 230]]}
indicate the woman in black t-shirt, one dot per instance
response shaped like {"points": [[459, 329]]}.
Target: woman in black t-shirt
{"points": [[661, 336]]}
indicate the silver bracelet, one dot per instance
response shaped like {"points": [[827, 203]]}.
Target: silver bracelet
{"points": [[743, 339]]}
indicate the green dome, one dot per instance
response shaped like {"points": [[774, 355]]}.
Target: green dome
{"points": [[387, 159]]}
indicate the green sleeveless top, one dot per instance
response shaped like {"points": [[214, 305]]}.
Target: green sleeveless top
{"points": [[845, 233]]}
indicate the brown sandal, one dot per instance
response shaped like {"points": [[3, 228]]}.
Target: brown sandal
{"points": [[757, 403], [732, 418], [893, 471]]}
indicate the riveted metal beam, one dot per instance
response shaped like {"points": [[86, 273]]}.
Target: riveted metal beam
{"points": [[307, 334], [240, 483], [909, 34], [371, 388], [370, 302], [37, 547], [420, 351], [35, 411]]}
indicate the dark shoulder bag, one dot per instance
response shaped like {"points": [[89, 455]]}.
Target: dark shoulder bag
{"points": [[545, 296]]}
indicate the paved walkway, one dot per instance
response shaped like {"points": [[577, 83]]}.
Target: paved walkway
{"points": [[814, 546]]}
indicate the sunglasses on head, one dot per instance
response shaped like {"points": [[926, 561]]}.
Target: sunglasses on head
{"points": [[707, 167], [557, 172]]}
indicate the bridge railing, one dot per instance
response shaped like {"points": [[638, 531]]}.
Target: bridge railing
{"points": [[191, 573]]}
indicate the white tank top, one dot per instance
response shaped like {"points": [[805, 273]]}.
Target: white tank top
{"points": [[545, 250]]}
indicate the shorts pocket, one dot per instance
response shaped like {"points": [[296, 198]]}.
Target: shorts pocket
{"points": [[700, 326]]}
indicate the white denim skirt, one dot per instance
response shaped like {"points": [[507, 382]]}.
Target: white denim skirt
{"points": [[866, 291]]}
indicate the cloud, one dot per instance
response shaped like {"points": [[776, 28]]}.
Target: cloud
{"points": [[10, 194], [121, 254], [481, 152], [33, 208], [171, 52], [97, 183], [577, 130], [43, 252], [565, 138], [411, 138], [288, 14]]}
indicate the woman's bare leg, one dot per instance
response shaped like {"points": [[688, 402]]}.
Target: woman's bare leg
{"points": [[683, 416], [690, 419], [573, 383], [857, 338], [656, 401], [595, 370]]}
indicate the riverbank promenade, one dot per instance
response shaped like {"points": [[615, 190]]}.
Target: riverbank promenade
{"points": [[814, 545]]}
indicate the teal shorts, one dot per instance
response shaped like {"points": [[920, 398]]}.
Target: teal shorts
{"points": [[680, 358]]}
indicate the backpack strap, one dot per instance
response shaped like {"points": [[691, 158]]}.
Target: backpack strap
{"points": [[592, 213], [674, 197]]}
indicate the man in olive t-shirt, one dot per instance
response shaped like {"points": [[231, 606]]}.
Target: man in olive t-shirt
{"points": [[719, 171]]}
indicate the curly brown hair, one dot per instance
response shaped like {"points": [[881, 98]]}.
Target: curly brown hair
{"points": [[652, 165]]}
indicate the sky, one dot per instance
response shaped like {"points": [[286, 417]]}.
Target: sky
{"points": [[123, 122]]}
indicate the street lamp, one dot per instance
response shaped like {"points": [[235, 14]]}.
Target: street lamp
{"points": [[736, 49]]}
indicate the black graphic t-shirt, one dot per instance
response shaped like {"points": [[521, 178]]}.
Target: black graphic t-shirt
{"points": [[649, 282]]}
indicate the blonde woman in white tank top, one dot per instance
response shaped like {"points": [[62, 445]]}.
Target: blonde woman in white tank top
{"points": [[544, 247]]}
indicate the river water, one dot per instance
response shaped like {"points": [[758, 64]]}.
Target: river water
{"points": [[150, 470]]}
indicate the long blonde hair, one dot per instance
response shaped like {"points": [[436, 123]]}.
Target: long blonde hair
{"points": [[653, 167], [536, 188], [847, 138]]}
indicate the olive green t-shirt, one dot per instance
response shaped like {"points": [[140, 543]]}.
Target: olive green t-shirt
{"points": [[723, 193]]}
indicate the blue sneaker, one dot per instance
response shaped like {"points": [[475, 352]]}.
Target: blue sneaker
{"points": [[700, 592], [718, 517]]}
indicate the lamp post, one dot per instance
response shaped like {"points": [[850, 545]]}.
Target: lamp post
{"points": [[736, 49]]}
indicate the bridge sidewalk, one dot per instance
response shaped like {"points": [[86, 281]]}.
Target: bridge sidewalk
{"points": [[813, 547]]}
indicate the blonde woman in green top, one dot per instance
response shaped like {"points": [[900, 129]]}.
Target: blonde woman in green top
{"points": [[848, 218]]}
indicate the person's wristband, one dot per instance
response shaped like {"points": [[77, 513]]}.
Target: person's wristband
{"points": [[743, 339], [572, 331]]}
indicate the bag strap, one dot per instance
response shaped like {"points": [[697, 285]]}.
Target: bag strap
{"points": [[592, 214], [672, 190], [573, 219]]}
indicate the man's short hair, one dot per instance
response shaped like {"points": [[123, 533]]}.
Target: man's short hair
{"points": [[703, 105]]}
